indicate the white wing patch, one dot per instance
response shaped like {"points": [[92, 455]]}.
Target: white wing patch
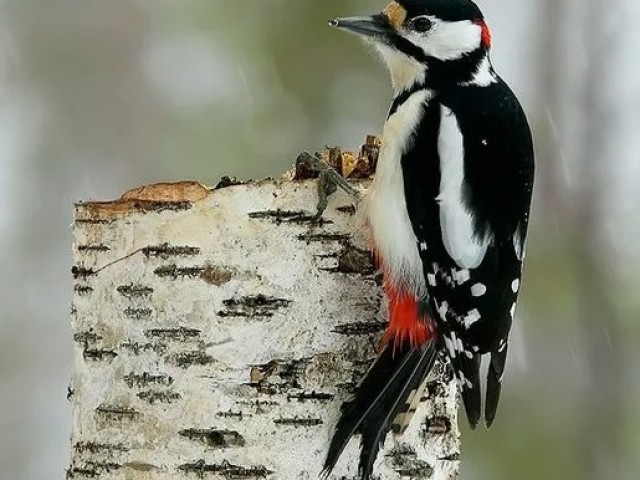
{"points": [[456, 221]]}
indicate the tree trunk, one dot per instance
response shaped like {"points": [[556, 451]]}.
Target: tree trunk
{"points": [[218, 332]]}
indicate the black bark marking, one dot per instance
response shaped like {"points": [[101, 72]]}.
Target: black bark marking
{"points": [[253, 306], [97, 447], [145, 379], [82, 272], [347, 209], [159, 206], [311, 396], [438, 425], [166, 250], [174, 272], [190, 359], [298, 217], [98, 354], [136, 348], [133, 291], [93, 248], [214, 438], [360, 328], [86, 338], [137, 313], [153, 396], [93, 469], [324, 237], [93, 221], [231, 414], [299, 422], [180, 334], [114, 411], [225, 469], [82, 289], [277, 376]]}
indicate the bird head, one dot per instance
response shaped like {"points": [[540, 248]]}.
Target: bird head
{"points": [[446, 39]]}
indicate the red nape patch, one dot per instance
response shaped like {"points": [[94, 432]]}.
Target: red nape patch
{"points": [[486, 33], [405, 323]]}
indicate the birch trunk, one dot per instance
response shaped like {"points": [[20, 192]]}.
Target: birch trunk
{"points": [[217, 333]]}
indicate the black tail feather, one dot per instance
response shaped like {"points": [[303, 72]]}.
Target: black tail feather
{"points": [[471, 388], [397, 372], [494, 384]]}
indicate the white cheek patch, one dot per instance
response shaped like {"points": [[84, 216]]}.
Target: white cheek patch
{"points": [[456, 221], [449, 40]]}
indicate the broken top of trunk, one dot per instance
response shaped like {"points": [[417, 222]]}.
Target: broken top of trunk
{"points": [[218, 331]]}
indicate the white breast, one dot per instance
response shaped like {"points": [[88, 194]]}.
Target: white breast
{"points": [[456, 220], [386, 206]]}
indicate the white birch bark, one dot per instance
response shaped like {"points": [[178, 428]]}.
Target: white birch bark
{"points": [[217, 333]]}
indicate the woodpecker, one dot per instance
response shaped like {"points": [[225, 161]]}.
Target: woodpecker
{"points": [[448, 213]]}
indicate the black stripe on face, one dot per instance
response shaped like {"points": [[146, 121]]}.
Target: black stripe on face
{"points": [[409, 49]]}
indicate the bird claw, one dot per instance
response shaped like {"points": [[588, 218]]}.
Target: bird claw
{"points": [[329, 181]]}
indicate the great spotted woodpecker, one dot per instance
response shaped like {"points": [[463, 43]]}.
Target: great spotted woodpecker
{"points": [[448, 213]]}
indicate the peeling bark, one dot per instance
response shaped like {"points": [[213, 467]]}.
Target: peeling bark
{"points": [[217, 333]]}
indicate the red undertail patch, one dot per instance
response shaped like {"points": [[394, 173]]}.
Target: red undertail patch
{"points": [[405, 323]]}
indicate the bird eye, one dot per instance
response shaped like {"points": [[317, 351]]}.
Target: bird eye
{"points": [[421, 24]]}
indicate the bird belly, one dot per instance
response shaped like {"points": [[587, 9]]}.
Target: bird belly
{"points": [[394, 240]]}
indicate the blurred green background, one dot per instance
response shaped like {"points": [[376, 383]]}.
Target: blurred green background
{"points": [[100, 96]]}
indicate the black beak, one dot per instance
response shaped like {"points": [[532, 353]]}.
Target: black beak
{"points": [[375, 27]]}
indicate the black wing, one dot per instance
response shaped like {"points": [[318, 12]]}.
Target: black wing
{"points": [[472, 250]]}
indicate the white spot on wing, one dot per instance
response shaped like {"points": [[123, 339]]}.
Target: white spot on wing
{"points": [[513, 310], [515, 285], [431, 278], [478, 290], [423, 246], [461, 276], [472, 317], [459, 346], [386, 206], [443, 309], [456, 221], [449, 343]]}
